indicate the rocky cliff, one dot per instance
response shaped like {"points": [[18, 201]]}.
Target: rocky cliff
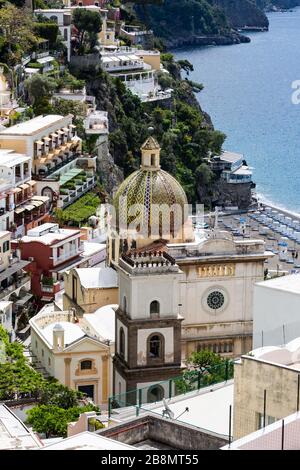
{"points": [[241, 13]]}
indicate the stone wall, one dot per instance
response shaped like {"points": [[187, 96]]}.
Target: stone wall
{"points": [[172, 433]]}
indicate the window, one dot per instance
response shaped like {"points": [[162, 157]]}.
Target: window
{"points": [[215, 300], [154, 308], [49, 361], [74, 288], [155, 347], [124, 304], [86, 365], [153, 159], [5, 246], [65, 34], [269, 420], [122, 343]]}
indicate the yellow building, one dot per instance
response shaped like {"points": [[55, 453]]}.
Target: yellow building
{"points": [[265, 387], [77, 352], [87, 289]]}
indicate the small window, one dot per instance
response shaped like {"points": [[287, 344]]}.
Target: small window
{"points": [[154, 308], [86, 365], [122, 342], [49, 361], [124, 304], [5, 246], [42, 353], [153, 159], [155, 347]]}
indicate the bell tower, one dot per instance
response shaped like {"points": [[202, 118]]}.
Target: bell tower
{"points": [[148, 325]]}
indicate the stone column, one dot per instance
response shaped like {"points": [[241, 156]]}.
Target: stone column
{"points": [[68, 371], [105, 378]]}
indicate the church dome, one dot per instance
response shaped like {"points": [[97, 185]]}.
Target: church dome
{"points": [[149, 187]]}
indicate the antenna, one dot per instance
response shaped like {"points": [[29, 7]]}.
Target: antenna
{"points": [[167, 411]]}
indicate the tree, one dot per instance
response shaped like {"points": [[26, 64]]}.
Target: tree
{"points": [[59, 395], [204, 361], [53, 420], [16, 26], [39, 89], [88, 23]]}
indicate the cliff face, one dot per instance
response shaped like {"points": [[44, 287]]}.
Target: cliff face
{"points": [[242, 13], [185, 22], [267, 4]]}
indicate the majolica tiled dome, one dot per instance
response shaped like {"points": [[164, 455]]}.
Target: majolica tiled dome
{"points": [[148, 186]]}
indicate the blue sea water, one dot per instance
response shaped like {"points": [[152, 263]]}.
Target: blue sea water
{"points": [[248, 93]]}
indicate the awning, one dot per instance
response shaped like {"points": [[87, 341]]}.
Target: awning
{"points": [[54, 134], [44, 60], [36, 203], [24, 186], [17, 190], [65, 129], [29, 207], [106, 60], [42, 160], [39, 142], [41, 198], [47, 139], [19, 210], [134, 57], [32, 182], [60, 132]]}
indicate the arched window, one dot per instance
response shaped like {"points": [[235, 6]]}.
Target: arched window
{"points": [[154, 308], [155, 347], [155, 393], [53, 19], [153, 159], [124, 304], [122, 342], [86, 365]]}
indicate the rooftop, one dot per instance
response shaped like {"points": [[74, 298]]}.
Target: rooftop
{"points": [[290, 283], [34, 125], [231, 157], [287, 355], [48, 234], [102, 321], [87, 441], [9, 158], [13, 433], [72, 331], [93, 278]]}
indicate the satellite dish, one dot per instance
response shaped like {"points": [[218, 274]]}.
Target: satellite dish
{"points": [[167, 411]]}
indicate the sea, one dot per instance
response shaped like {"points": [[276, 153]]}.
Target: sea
{"points": [[252, 93]]}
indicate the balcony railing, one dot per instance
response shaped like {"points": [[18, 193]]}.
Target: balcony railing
{"points": [[16, 285]]}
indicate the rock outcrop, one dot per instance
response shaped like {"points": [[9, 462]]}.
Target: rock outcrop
{"points": [[242, 13]]}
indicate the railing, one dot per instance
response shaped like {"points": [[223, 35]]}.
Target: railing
{"points": [[187, 382], [10, 289]]}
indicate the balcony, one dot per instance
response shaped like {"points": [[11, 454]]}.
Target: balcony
{"points": [[7, 291]]}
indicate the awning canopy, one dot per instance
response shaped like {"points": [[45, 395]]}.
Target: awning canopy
{"points": [[39, 142], [23, 300], [24, 186], [19, 210], [17, 190], [29, 207], [44, 60], [47, 139], [32, 182], [41, 198]]}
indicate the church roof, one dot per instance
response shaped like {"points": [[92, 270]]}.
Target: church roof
{"points": [[150, 144]]}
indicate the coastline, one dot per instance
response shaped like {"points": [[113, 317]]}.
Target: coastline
{"points": [[275, 206]]}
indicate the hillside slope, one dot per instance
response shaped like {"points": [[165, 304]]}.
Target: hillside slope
{"points": [[242, 13]]}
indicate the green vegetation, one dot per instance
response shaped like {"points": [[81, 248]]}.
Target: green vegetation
{"points": [[17, 33], [204, 368], [185, 133], [79, 212], [173, 18], [88, 24], [53, 420]]}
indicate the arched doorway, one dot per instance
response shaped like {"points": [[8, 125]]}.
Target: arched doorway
{"points": [[155, 393]]}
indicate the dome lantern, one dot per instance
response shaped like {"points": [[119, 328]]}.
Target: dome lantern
{"points": [[150, 155]]}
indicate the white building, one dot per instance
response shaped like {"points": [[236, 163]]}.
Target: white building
{"points": [[77, 352], [63, 19], [276, 311]]}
